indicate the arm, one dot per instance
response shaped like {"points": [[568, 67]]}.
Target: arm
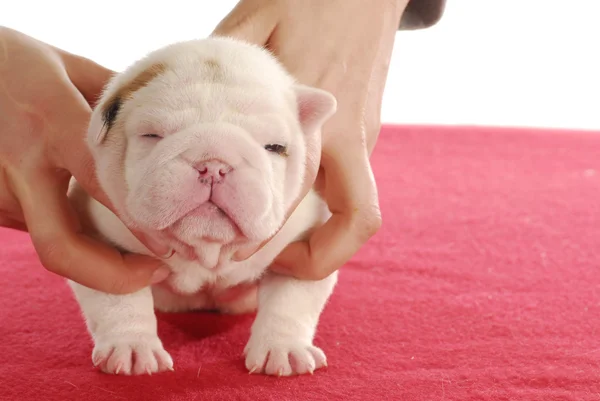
{"points": [[41, 147], [315, 42]]}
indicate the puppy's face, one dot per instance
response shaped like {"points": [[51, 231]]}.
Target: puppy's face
{"points": [[206, 139]]}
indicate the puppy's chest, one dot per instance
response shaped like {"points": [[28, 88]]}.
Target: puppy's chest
{"points": [[193, 287], [190, 277]]}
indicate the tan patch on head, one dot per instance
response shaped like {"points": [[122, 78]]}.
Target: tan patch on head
{"points": [[141, 80], [214, 69], [113, 105], [212, 64]]}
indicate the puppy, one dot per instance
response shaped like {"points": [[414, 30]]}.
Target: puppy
{"points": [[206, 142]]}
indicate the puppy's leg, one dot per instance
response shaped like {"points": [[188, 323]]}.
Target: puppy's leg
{"points": [[281, 342], [123, 328]]}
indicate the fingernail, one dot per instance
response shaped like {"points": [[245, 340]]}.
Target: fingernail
{"points": [[239, 256], [156, 247], [190, 254], [159, 275], [244, 254], [277, 268], [184, 251], [168, 254]]}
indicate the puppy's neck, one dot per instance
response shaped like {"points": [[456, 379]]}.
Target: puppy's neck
{"points": [[213, 255]]}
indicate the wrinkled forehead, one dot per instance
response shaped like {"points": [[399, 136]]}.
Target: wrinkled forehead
{"points": [[200, 90], [210, 98]]}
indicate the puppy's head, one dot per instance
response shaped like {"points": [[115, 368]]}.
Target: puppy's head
{"points": [[206, 139]]}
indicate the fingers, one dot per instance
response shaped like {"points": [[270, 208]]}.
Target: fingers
{"points": [[351, 194], [74, 155], [250, 20], [62, 248], [84, 171], [82, 166], [11, 223]]}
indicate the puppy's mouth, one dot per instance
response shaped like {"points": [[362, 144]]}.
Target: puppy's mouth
{"points": [[209, 210], [215, 213]]}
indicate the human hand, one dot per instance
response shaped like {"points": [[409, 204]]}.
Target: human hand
{"points": [[45, 97], [319, 43]]}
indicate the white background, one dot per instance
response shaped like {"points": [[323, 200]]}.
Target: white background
{"points": [[488, 62]]}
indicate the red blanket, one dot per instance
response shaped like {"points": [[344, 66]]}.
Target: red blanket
{"points": [[483, 284]]}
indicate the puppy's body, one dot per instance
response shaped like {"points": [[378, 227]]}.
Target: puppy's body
{"points": [[206, 141]]}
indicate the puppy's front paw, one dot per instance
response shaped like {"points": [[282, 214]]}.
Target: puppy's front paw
{"points": [[282, 356], [131, 354]]}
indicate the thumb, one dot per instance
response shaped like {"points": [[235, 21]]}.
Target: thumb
{"points": [[64, 250]]}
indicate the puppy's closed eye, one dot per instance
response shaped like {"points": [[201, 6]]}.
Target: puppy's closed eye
{"points": [[277, 148], [152, 136]]}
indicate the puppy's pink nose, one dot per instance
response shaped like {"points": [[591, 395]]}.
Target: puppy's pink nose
{"points": [[214, 169]]}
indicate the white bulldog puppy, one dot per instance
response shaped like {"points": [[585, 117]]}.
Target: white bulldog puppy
{"points": [[206, 141]]}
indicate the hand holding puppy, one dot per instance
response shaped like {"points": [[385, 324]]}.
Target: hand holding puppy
{"points": [[45, 96], [344, 47]]}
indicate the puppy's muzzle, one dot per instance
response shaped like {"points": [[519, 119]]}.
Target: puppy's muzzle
{"points": [[212, 171]]}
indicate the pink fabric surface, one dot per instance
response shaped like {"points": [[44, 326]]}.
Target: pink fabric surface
{"points": [[483, 284]]}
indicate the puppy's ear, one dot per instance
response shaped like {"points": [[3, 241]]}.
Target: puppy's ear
{"points": [[315, 107]]}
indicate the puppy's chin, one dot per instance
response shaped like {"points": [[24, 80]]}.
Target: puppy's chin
{"points": [[207, 223]]}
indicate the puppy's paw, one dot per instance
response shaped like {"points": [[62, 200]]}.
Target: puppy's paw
{"points": [[282, 357], [131, 354]]}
